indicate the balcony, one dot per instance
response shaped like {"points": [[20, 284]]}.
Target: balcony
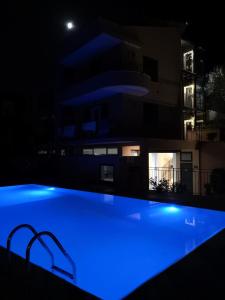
{"points": [[93, 41], [107, 84], [203, 135]]}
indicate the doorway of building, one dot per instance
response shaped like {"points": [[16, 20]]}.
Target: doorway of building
{"points": [[187, 176], [162, 166]]}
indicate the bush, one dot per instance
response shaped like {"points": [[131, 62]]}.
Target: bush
{"points": [[217, 181], [163, 186], [160, 186]]}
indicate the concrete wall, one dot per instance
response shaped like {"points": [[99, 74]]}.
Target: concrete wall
{"points": [[212, 155], [85, 170], [164, 45]]}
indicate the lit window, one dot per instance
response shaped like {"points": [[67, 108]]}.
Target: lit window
{"points": [[63, 152], [189, 61], [42, 152], [189, 96], [107, 173], [135, 152], [112, 151], [189, 125], [99, 151], [131, 151], [87, 151]]}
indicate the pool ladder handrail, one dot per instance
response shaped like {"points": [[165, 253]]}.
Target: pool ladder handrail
{"points": [[61, 248], [37, 236], [34, 231]]}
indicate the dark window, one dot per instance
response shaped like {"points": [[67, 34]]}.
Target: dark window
{"points": [[150, 67], [89, 126], [104, 111], [88, 151], [69, 75], [87, 114], [112, 151], [69, 131], [99, 151], [107, 173], [186, 156]]}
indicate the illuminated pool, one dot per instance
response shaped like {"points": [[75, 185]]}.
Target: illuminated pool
{"points": [[117, 243]]}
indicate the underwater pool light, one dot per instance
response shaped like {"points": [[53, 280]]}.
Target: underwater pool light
{"points": [[171, 209], [51, 189]]}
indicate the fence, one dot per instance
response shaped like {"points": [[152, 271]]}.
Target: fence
{"points": [[180, 180]]}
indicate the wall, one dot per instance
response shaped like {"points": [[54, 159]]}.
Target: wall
{"points": [[164, 45], [212, 155], [85, 171]]}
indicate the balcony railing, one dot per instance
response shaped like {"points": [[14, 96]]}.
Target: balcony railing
{"points": [[179, 180]]}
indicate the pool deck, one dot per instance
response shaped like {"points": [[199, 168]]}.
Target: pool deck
{"points": [[199, 275], [18, 283]]}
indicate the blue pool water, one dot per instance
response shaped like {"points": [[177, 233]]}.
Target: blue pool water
{"points": [[117, 243]]}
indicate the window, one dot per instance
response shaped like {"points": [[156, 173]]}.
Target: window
{"points": [[69, 131], [99, 151], [112, 151], [89, 126], [87, 115], [150, 67], [88, 151], [135, 152], [104, 111], [107, 173], [189, 96], [186, 156], [131, 151], [42, 152], [189, 61], [63, 152]]}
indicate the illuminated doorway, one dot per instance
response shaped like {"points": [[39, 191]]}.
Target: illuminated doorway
{"points": [[162, 166]]}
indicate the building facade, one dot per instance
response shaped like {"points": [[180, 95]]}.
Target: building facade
{"points": [[126, 107]]}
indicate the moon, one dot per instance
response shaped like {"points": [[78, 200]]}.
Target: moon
{"points": [[70, 25]]}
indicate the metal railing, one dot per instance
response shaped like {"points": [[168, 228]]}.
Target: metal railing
{"points": [[38, 236], [34, 231], [179, 180], [71, 275]]}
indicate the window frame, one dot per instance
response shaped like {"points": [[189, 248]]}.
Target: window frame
{"points": [[92, 150], [186, 160], [114, 154], [113, 173]]}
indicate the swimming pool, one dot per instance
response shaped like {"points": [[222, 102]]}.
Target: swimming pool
{"points": [[117, 243]]}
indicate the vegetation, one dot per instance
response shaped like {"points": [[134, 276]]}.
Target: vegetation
{"points": [[215, 96], [163, 186]]}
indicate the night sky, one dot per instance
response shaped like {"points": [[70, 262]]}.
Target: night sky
{"points": [[33, 32]]}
